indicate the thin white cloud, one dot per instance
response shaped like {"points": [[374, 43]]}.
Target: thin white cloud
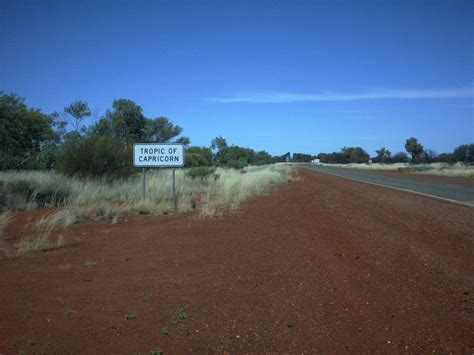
{"points": [[264, 97]]}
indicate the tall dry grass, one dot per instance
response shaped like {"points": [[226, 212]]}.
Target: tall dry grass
{"points": [[85, 198], [5, 219]]}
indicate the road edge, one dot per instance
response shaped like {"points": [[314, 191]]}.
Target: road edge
{"points": [[394, 188]]}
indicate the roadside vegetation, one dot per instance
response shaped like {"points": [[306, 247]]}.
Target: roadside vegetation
{"points": [[85, 171], [79, 199], [86, 197]]}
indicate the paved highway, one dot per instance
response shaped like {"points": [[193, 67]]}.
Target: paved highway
{"points": [[456, 190]]}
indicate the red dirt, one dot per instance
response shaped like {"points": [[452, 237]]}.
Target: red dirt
{"points": [[323, 264]]}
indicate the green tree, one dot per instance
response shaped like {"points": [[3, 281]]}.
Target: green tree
{"points": [[76, 112], [198, 156], [413, 147], [125, 122], [302, 158], [160, 130], [354, 155], [219, 143], [383, 156], [230, 156], [184, 141], [400, 157], [429, 156], [23, 133], [445, 158], [262, 158], [464, 153]]}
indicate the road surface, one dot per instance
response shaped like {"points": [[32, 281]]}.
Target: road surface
{"points": [[447, 188]]}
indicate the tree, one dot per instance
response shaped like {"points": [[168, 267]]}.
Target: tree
{"points": [[124, 122], [262, 158], [413, 147], [76, 112], [355, 155], [445, 158], [218, 143], [429, 156], [127, 123], [302, 158], [383, 156], [23, 133], [184, 141], [464, 153], [333, 158], [161, 130], [400, 157], [231, 156], [198, 156]]}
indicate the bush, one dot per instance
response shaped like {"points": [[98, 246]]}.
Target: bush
{"points": [[18, 193], [198, 156], [233, 164], [400, 157], [96, 156], [201, 173]]}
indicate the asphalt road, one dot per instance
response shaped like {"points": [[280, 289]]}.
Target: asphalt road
{"points": [[456, 190]]}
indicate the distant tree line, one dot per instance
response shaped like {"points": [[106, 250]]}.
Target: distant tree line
{"points": [[415, 153]]}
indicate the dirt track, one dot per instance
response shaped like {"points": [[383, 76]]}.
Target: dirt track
{"points": [[321, 264]]}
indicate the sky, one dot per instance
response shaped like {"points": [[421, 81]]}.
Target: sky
{"points": [[281, 76]]}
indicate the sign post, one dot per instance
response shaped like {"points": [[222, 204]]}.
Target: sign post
{"points": [[159, 155], [143, 183], [175, 204]]}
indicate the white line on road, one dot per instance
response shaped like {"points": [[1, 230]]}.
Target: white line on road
{"points": [[468, 204]]}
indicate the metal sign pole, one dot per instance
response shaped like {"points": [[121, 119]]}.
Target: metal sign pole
{"points": [[174, 190], [143, 183]]}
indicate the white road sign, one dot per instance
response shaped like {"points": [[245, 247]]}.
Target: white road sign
{"points": [[159, 155]]}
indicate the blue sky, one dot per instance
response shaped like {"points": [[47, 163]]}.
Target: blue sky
{"points": [[299, 76]]}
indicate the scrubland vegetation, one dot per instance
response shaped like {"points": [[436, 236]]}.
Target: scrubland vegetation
{"points": [[79, 199], [86, 171], [33, 189]]}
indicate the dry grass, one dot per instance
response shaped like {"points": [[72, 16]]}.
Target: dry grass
{"points": [[5, 219], [86, 198], [34, 243], [458, 170], [82, 199]]}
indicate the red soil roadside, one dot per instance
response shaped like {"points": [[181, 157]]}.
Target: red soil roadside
{"points": [[323, 264]]}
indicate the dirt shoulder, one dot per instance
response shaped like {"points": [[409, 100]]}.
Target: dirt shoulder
{"points": [[321, 264]]}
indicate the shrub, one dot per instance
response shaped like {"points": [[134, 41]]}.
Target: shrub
{"points": [[198, 156], [233, 164], [34, 243], [20, 191], [201, 172], [5, 219], [96, 156]]}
